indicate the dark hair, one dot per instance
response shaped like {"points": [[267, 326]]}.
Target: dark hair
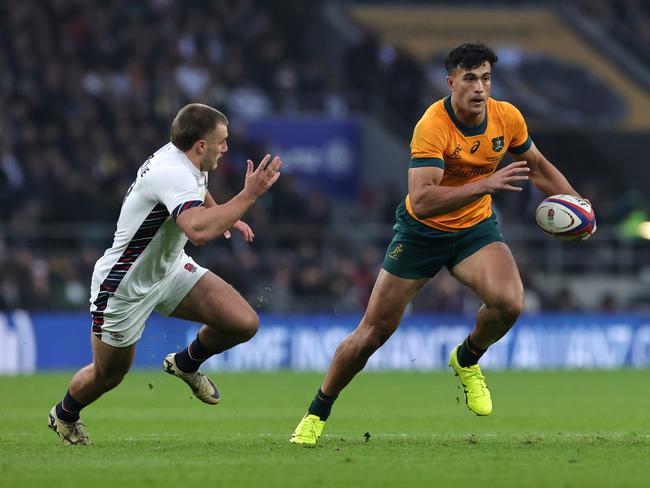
{"points": [[469, 56], [192, 123]]}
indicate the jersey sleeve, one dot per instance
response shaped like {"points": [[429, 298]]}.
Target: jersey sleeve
{"points": [[521, 141], [428, 143], [176, 189]]}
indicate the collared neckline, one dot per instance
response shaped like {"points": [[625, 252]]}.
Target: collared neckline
{"points": [[195, 171], [466, 130]]}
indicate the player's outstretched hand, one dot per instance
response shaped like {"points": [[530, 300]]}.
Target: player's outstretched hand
{"points": [[245, 230], [258, 181], [505, 178]]}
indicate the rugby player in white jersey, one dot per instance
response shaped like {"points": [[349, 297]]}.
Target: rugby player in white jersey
{"points": [[147, 269]]}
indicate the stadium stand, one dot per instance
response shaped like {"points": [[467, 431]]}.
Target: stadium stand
{"points": [[627, 21], [87, 90]]}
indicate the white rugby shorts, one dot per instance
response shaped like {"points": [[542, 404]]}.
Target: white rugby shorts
{"points": [[122, 320]]}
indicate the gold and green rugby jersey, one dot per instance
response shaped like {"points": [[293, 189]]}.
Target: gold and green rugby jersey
{"points": [[466, 154]]}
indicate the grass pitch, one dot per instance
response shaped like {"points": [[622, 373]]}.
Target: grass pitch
{"points": [[567, 429]]}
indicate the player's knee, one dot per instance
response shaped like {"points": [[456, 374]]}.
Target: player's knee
{"points": [[374, 336], [250, 324], [510, 306]]}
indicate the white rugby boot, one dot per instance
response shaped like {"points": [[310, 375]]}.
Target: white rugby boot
{"points": [[204, 389], [71, 433]]}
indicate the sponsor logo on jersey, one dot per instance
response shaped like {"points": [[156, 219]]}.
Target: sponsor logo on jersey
{"points": [[497, 143], [475, 147], [466, 171], [190, 267]]}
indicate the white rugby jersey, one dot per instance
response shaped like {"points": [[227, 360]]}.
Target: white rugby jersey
{"points": [[147, 241]]}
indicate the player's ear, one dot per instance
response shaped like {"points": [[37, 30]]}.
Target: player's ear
{"points": [[200, 146], [450, 82]]}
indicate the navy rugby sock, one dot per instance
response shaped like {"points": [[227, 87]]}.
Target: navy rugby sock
{"points": [[469, 353], [190, 359], [68, 409], [322, 405]]}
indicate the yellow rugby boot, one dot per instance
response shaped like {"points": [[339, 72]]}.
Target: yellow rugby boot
{"points": [[477, 395], [308, 431]]}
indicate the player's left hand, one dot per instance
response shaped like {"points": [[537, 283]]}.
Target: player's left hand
{"points": [[242, 227]]}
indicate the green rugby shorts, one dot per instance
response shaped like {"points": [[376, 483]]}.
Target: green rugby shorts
{"points": [[419, 251]]}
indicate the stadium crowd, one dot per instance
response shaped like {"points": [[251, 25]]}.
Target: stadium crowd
{"points": [[87, 91], [628, 21]]}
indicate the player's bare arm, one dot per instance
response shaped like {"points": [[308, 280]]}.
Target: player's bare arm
{"points": [[209, 201], [429, 198], [240, 225], [544, 175], [203, 224]]}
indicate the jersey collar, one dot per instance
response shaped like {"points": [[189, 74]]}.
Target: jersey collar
{"points": [[465, 130], [195, 171]]}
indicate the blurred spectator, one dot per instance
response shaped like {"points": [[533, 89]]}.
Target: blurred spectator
{"points": [[562, 300], [386, 82], [608, 303], [443, 294]]}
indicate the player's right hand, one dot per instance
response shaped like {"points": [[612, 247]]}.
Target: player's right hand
{"points": [[258, 181], [505, 178]]}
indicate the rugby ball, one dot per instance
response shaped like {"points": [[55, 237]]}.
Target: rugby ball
{"points": [[566, 217]]}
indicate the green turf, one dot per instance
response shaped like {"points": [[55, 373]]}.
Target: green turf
{"points": [[562, 429]]}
